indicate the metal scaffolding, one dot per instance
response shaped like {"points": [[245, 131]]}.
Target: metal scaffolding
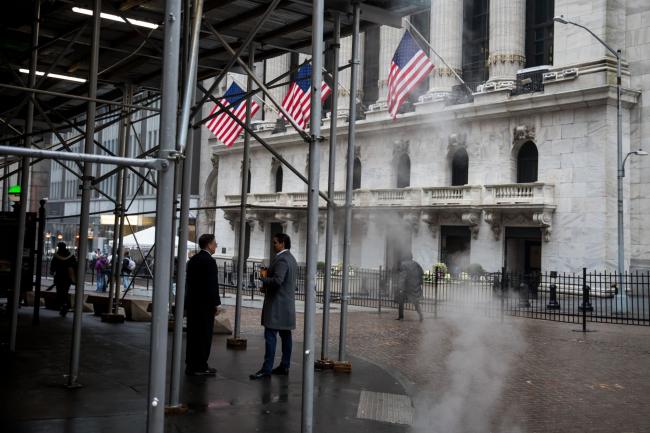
{"points": [[151, 61]]}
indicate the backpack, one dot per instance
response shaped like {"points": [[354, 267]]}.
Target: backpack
{"points": [[131, 265]]}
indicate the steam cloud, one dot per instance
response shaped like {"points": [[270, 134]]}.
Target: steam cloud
{"points": [[481, 355]]}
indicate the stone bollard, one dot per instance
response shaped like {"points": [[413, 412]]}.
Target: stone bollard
{"points": [[523, 296], [553, 304], [586, 303]]}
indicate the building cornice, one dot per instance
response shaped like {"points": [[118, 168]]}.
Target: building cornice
{"points": [[501, 106]]}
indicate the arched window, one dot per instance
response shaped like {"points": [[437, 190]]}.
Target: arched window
{"points": [[248, 190], [278, 179], [459, 167], [356, 176], [527, 163], [404, 172]]}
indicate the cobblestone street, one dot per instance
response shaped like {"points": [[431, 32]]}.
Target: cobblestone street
{"points": [[527, 375]]}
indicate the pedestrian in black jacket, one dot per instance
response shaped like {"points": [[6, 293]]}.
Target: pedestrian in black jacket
{"points": [[202, 300], [64, 269]]}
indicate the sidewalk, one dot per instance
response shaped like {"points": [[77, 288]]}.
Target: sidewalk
{"points": [[114, 363]]}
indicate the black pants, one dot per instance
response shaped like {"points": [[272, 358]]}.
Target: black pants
{"points": [[200, 325], [62, 298], [400, 310]]}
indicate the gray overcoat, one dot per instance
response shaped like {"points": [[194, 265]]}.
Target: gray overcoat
{"points": [[411, 274], [279, 310]]}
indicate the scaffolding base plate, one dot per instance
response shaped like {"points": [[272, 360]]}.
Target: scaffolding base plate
{"points": [[113, 318], [343, 367], [180, 409], [236, 343], [324, 364]]}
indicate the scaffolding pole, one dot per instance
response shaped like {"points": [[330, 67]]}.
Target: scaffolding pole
{"points": [[77, 97], [241, 244], [156, 164], [235, 55], [24, 183], [329, 230], [118, 222], [186, 143], [312, 219], [164, 205], [347, 231], [75, 350]]}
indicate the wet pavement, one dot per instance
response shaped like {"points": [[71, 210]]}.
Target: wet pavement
{"points": [[114, 365], [456, 374]]}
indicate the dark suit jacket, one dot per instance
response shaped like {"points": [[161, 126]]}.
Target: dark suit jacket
{"points": [[279, 310], [202, 283]]}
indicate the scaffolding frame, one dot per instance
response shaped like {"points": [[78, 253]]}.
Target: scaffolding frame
{"points": [[174, 156]]}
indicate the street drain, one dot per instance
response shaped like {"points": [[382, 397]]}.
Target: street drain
{"points": [[380, 406]]}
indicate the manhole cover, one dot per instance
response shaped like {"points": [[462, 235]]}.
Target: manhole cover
{"points": [[380, 406]]}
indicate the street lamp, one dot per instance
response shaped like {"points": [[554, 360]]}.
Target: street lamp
{"points": [[634, 152], [621, 308]]}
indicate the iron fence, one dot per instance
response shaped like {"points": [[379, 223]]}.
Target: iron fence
{"points": [[565, 297]]}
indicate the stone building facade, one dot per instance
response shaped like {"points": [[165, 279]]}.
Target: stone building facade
{"points": [[521, 173]]}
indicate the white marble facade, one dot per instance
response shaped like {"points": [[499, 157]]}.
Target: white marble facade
{"points": [[570, 210]]}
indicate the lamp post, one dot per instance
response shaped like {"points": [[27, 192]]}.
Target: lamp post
{"points": [[620, 306]]}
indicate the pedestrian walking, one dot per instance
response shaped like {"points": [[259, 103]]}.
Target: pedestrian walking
{"points": [[101, 264], [64, 269], [201, 302], [128, 265], [409, 289], [279, 309]]}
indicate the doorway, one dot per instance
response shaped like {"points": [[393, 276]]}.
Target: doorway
{"points": [[455, 245], [523, 253]]}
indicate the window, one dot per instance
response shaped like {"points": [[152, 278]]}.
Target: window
{"points": [[356, 174], [459, 168], [527, 163], [278, 179], [476, 36], [404, 172], [539, 32]]}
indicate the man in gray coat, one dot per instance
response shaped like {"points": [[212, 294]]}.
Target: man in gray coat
{"points": [[279, 310]]}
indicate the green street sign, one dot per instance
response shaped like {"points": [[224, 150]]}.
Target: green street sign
{"points": [[14, 189]]}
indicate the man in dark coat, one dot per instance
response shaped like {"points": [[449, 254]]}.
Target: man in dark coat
{"points": [[279, 310], [202, 300], [64, 269], [410, 286]]}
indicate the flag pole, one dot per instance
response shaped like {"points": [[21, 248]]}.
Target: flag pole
{"points": [[423, 39]]}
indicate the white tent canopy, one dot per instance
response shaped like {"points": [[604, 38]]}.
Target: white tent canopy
{"points": [[146, 238]]}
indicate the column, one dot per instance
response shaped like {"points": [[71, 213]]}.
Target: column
{"points": [[389, 38], [344, 78], [275, 67], [447, 40], [507, 39]]}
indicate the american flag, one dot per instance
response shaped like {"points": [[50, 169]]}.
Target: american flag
{"points": [[409, 66], [224, 126], [298, 101]]}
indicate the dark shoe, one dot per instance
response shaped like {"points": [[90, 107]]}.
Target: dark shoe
{"points": [[208, 372], [280, 371], [63, 312], [259, 375]]}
